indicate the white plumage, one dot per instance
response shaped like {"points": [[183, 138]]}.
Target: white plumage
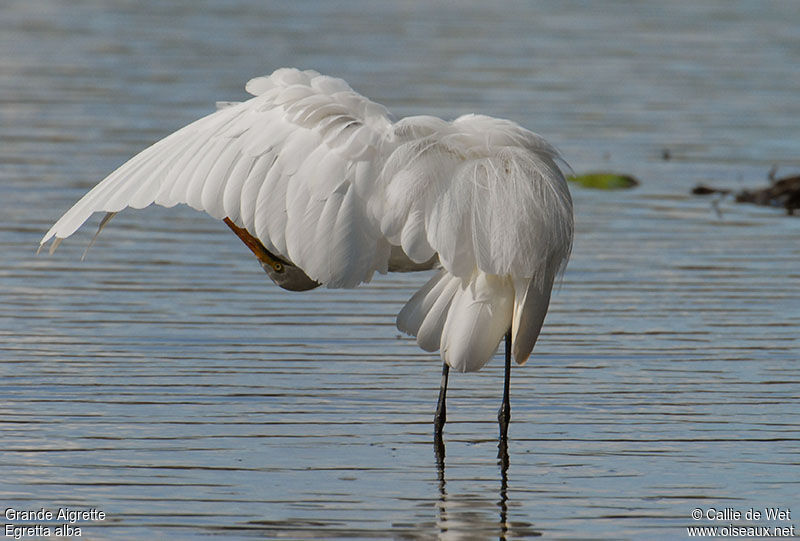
{"points": [[327, 181]]}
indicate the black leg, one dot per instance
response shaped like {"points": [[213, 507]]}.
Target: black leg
{"points": [[504, 415], [441, 413]]}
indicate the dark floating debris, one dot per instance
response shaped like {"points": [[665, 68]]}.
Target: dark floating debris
{"points": [[604, 181], [702, 189], [783, 193]]}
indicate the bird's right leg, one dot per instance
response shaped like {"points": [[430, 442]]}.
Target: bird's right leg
{"points": [[441, 410], [504, 415]]}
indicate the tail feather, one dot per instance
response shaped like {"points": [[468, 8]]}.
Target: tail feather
{"points": [[425, 313], [531, 299], [479, 317], [464, 319]]}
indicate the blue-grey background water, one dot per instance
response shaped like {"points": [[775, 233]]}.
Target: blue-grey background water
{"points": [[165, 381]]}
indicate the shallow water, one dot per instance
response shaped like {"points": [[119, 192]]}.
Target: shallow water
{"points": [[167, 383]]}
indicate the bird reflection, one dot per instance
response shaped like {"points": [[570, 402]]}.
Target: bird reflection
{"points": [[502, 460], [470, 516]]}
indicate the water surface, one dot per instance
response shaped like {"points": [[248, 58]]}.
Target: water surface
{"points": [[166, 382]]}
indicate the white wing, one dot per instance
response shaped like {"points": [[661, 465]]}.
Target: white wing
{"points": [[293, 165], [323, 178]]}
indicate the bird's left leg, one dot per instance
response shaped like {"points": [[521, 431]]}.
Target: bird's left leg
{"points": [[504, 415]]}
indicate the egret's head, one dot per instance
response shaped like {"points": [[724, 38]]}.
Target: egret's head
{"points": [[288, 276]]}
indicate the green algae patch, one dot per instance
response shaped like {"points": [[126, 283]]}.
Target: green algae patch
{"points": [[604, 181]]}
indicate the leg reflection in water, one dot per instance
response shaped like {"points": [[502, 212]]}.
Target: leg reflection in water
{"points": [[473, 515]]}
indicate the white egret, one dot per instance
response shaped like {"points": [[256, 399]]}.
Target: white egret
{"points": [[326, 189]]}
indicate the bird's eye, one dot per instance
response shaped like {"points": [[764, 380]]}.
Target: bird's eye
{"points": [[277, 266]]}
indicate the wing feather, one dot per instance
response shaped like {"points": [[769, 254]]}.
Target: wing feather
{"points": [[346, 236], [271, 216], [212, 196], [162, 161], [169, 185], [249, 196], [197, 178], [232, 196]]}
